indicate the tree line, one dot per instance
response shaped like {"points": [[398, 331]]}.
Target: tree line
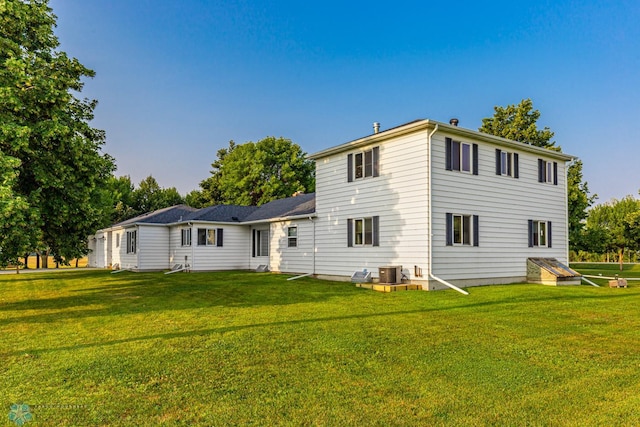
{"points": [[57, 186]]}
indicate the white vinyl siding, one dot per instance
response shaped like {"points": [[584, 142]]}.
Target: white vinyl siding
{"points": [[291, 259], [153, 244], [504, 207], [118, 236], [398, 196], [128, 260], [232, 255]]}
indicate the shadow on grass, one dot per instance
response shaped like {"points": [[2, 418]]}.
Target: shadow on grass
{"points": [[359, 316], [225, 329], [80, 295], [101, 294]]}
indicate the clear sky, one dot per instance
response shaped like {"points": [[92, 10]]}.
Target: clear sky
{"points": [[177, 80]]}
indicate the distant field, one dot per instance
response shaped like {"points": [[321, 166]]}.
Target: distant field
{"points": [[88, 347], [32, 263], [609, 270]]}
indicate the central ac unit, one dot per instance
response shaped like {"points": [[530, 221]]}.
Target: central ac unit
{"points": [[390, 274]]}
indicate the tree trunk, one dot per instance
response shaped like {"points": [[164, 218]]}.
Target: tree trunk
{"points": [[77, 262], [45, 258], [26, 261], [620, 257], [37, 260]]}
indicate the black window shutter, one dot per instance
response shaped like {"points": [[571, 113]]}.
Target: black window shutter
{"points": [[541, 171], [376, 230], [498, 160], [530, 233], [253, 245], [549, 233], [555, 173], [516, 166], [349, 232], [376, 161], [476, 231], [475, 159], [447, 157], [350, 168], [449, 229], [219, 237]]}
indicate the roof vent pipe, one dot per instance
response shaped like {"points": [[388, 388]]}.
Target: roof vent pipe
{"points": [[376, 127], [453, 122]]}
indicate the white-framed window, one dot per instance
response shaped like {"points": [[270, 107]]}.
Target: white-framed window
{"points": [[209, 236], [507, 164], [539, 234], [364, 164], [462, 230], [547, 172], [292, 236], [185, 237], [132, 237], [461, 156], [206, 236], [260, 243], [363, 231]]}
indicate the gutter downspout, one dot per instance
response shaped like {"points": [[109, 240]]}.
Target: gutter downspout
{"points": [[566, 204], [314, 245], [430, 212], [192, 264]]}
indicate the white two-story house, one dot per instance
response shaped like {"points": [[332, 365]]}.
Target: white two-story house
{"points": [[447, 204]]}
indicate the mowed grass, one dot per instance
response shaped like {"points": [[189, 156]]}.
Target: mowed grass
{"points": [[237, 348]]}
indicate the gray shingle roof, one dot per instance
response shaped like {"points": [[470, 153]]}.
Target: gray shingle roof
{"points": [[222, 213], [161, 216], [291, 206]]}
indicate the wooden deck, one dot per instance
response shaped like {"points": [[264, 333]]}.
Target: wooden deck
{"points": [[388, 287]]}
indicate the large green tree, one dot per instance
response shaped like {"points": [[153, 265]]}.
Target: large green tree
{"points": [[579, 201], [617, 224], [62, 173], [15, 212], [128, 201], [149, 196], [257, 173], [520, 123]]}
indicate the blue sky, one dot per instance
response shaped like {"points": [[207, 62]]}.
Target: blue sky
{"points": [[176, 80]]}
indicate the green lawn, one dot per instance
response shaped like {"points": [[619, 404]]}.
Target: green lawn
{"points": [[93, 348]]}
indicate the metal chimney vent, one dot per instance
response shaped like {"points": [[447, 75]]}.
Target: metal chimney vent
{"points": [[376, 127], [454, 122]]}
